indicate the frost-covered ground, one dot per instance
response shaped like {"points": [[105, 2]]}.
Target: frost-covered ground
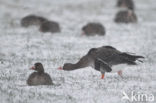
{"points": [[21, 47]]}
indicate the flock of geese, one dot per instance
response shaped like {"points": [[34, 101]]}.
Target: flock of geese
{"points": [[103, 59]]}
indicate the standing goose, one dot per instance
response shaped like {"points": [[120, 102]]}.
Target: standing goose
{"points": [[104, 59], [39, 77]]}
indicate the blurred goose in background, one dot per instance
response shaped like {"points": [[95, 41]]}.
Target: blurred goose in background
{"points": [[32, 20], [50, 26], [125, 16], [104, 59], [39, 77], [91, 29], [129, 4]]}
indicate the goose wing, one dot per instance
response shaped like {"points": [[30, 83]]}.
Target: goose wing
{"points": [[102, 66]]}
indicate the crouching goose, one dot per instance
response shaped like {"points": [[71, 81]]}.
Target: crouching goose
{"points": [[126, 16], [50, 26], [104, 59], [39, 77], [32, 20], [126, 4], [92, 28]]}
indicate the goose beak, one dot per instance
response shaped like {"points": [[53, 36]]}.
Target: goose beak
{"points": [[102, 76], [32, 68], [60, 68]]}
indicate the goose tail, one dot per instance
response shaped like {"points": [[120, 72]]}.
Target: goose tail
{"points": [[132, 59]]}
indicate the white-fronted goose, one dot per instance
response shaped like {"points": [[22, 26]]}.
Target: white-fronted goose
{"points": [[91, 29], [32, 20], [126, 4], [50, 26], [39, 77], [126, 16], [104, 59]]}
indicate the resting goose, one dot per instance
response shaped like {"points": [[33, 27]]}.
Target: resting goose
{"points": [[39, 77], [50, 26], [91, 29], [32, 20], [126, 16], [126, 4]]}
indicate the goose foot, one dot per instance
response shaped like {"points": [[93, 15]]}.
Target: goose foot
{"points": [[102, 76], [120, 73]]}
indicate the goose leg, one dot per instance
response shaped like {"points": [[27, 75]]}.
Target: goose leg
{"points": [[120, 73], [102, 66], [102, 76]]}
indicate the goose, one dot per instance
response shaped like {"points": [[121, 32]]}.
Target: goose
{"points": [[92, 28], [104, 59], [39, 77], [50, 26], [126, 16], [126, 4], [32, 20]]}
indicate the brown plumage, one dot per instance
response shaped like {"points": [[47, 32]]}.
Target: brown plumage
{"points": [[126, 4], [104, 59], [126, 16], [91, 29], [32, 20], [39, 77], [50, 26]]}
